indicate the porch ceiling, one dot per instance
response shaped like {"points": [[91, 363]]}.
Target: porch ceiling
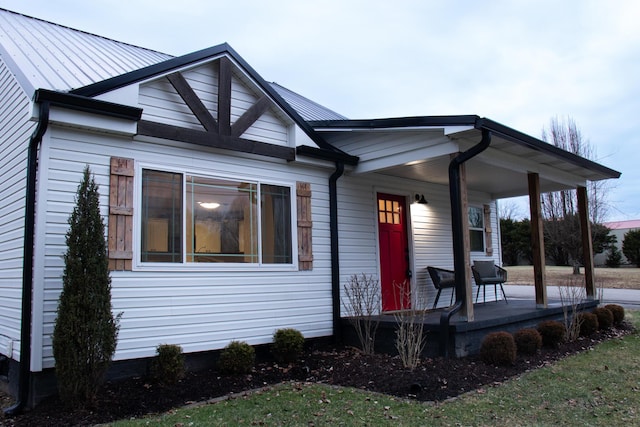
{"points": [[501, 170]]}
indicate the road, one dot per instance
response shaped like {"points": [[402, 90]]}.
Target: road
{"points": [[628, 298]]}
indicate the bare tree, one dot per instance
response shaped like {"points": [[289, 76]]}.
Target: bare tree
{"points": [[363, 305], [560, 208]]}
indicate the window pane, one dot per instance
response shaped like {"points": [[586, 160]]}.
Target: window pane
{"points": [[476, 241], [221, 221], [476, 217], [276, 224], [161, 217]]}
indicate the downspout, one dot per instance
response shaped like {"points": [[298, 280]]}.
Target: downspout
{"points": [[335, 262], [457, 218], [24, 380]]}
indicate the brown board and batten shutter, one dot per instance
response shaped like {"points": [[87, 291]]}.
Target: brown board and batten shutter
{"points": [[488, 233], [121, 214], [303, 201]]}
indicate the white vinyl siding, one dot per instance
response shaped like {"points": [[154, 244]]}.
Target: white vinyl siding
{"points": [[15, 129], [199, 310]]}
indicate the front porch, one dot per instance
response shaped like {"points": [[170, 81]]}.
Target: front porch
{"points": [[465, 337]]}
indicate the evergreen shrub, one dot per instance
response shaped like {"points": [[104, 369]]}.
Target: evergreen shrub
{"points": [[85, 331], [528, 341], [605, 317], [288, 345], [617, 311], [588, 323], [498, 348], [237, 358], [167, 367], [553, 333]]}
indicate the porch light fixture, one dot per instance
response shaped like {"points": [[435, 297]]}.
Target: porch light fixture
{"points": [[421, 200]]}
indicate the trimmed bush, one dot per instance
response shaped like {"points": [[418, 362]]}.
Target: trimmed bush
{"points": [[588, 323], [552, 332], [237, 358], [168, 366], [617, 311], [528, 341], [605, 317], [288, 345], [498, 348]]}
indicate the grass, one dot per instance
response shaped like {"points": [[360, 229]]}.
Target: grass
{"points": [[620, 278], [598, 387]]}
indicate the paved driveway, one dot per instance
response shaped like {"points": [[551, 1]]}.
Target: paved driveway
{"points": [[628, 298]]}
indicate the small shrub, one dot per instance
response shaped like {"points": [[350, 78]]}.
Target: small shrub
{"points": [[288, 345], [498, 348], [588, 324], [552, 332], [617, 311], [605, 317], [168, 366], [237, 358], [528, 341]]}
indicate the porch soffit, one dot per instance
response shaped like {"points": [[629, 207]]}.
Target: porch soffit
{"points": [[500, 171]]}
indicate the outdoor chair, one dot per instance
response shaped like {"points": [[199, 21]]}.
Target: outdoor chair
{"points": [[487, 273], [442, 279]]}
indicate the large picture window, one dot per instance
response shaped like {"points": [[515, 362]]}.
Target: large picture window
{"points": [[224, 221], [476, 229]]}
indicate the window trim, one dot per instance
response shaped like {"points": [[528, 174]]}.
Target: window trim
{"points": [[195, 266]]}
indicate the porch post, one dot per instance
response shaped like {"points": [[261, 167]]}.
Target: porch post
{"points": [[537, 240], [467, 309], [587, 244]]}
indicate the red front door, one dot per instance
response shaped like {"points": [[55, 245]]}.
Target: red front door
{"points": [[394, 252]]}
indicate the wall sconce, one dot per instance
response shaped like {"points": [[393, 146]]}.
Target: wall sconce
{"points": [[421, 200]]}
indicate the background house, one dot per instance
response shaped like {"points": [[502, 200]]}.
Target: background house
{"points": [[618, 229]]}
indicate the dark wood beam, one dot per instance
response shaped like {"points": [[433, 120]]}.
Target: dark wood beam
{"points": [[587, 244], [211, 139], [250, 116], [537, 240], [192, 100], [224, 96]]}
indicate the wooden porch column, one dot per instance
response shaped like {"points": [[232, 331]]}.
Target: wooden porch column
{"points": [[467, 309], [537, 240], [587, 244]]}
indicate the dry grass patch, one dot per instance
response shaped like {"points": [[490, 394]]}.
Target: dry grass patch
{"points": [[619, 278]]}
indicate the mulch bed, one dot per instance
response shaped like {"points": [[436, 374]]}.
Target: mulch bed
{"points": [[435, 379]]}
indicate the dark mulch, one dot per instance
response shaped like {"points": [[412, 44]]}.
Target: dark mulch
{"points": [[436, 379]]}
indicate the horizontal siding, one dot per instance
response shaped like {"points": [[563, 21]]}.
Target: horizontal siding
{"points": [[430, 230], [15, 129], [200, 310], [162, 104]]}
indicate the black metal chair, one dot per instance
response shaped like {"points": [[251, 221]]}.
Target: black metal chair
{"points": [[442, 279], [487, 273]]}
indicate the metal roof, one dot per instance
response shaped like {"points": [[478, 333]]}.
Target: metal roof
{"points": [[52, 56], [308, 109]]}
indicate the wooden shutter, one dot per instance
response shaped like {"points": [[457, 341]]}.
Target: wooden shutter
{"points": [[303, 199], [121, 214], [488, 233]]}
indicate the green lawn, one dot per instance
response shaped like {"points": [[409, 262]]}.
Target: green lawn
{"points": [[598, 387]]}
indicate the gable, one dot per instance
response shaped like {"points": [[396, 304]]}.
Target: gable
{"points": [[215, 104]]}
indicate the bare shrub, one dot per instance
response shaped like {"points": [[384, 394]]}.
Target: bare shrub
{"points": [[410, 338], [364, 304], [572, 293]]}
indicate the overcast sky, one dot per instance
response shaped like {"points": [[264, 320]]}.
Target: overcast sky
{"points": [[519, 63]]}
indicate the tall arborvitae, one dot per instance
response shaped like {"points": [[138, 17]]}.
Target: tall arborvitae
{"points": [[86, 331]]}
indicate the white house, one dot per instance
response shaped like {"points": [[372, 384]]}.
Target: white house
{"points": [[618, 229], [234, 207]]}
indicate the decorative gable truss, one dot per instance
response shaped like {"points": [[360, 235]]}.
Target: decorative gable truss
{"points": [[214, 112]]}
